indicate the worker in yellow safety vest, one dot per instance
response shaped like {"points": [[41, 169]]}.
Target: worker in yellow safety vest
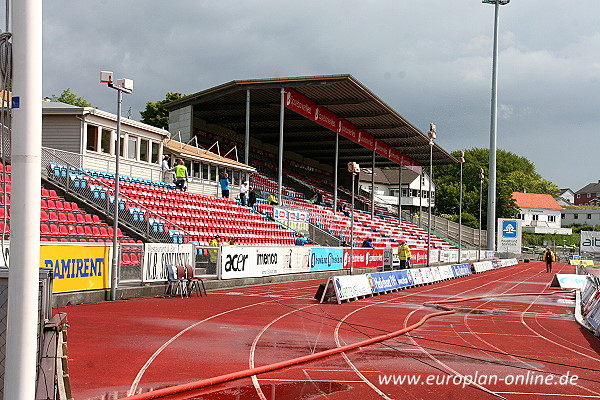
{"points": [[404, 255]]}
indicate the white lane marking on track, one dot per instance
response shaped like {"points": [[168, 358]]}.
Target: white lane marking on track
{"points": [[140, 374], [448, 368], [255, 342], [305, 380], [405, 294]]}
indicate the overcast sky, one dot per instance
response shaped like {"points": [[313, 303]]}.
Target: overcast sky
{"points": [[430, 60]]}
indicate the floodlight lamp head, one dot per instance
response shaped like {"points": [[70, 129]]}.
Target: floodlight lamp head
{"points": [[353, 167], [500, 2], [461, 159], [106, 77], [432, 132]]}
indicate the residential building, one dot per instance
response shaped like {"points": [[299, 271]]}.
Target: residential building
{"points": [[539, 213], [589, 195]]}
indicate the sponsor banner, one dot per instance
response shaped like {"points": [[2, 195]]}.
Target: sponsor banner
{"points": [[482, 266], [158, 255], [496, 264], [418, 257], [417, 277], [388, 258], [326, 258], [246, 262], [363, 258], [347, 130], [434, 254], [299, 103], [383, 281], [454, 256], [382, 149], [426, 275], [461, 269], [569, 281], [291, 215], [509, 235], [77, 267], [587, 263], [308, 108], [444, 256], [326, 118], [295, 259], [366, 140], [489, 254], [446, 271], [252, 262], [351, 286], [436, 274], [590, 241]]}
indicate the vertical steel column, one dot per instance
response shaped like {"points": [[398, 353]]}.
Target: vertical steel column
{"points": [[23, 286], [429, 202], [335, 172], [400, 197], [491, 217], [421, 199], [280, 173], [247, 138], [373, 186], [460, 200], [115, 265], [352, 229]]}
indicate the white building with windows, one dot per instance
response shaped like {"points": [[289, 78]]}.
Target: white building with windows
{"points": [[540, 213], [581, 217], [387, 185], [85, 137]]}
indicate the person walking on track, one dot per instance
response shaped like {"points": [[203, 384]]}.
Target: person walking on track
{"points": [[548, 257]]}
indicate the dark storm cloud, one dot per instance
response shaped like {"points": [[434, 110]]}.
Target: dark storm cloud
{"points": [[429, 60]]}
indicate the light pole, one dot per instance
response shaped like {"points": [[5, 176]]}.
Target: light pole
{"points": [[461, 160], [354, 169], [491, 236], [481, 176], [432, 136], [121, 86]]}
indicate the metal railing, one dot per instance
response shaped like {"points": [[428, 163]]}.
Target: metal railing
{"points": [[95, 192]]}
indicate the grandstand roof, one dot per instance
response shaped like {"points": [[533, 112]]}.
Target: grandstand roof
{"points": [[343, 95]]}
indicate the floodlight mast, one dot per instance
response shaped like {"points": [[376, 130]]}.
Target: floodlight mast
{"points": [[121, 86], [491, 207]]}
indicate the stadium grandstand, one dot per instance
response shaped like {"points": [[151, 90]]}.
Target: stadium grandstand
{"points": [[295, 134]]}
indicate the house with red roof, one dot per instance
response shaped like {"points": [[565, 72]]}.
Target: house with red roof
{"points": [[540, 213]]}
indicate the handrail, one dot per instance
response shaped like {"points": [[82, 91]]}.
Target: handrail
{"points": [[147, 223]]}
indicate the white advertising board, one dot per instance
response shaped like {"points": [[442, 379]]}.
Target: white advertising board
{"points": [[509, 235], [158, 255], [590, 241]]}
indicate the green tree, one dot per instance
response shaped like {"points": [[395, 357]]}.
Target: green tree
{"points": [[514, 174], [71, 98], [155, 114]]}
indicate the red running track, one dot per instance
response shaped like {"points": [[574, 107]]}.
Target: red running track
{"points": [[513, 347]]}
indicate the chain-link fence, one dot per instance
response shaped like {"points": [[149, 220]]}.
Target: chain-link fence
{"points": [[44, 313]]}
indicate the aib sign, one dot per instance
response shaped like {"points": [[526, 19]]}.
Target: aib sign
{"points": [[509, 235]]}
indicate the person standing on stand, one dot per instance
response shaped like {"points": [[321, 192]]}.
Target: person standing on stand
{"points": [[404, 255], [224, 181], [181, 175], [243, 191], [548, 257]]}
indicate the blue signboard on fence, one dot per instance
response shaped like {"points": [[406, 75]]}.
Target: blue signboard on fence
{"points": [[324, 258]]}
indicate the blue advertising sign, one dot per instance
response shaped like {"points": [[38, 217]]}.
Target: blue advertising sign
{"points": [[324, 258], [382, 281], [509, 229], [461, 269]]}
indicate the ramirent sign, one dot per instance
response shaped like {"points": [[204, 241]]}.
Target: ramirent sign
{"points": [[321, 115]]}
